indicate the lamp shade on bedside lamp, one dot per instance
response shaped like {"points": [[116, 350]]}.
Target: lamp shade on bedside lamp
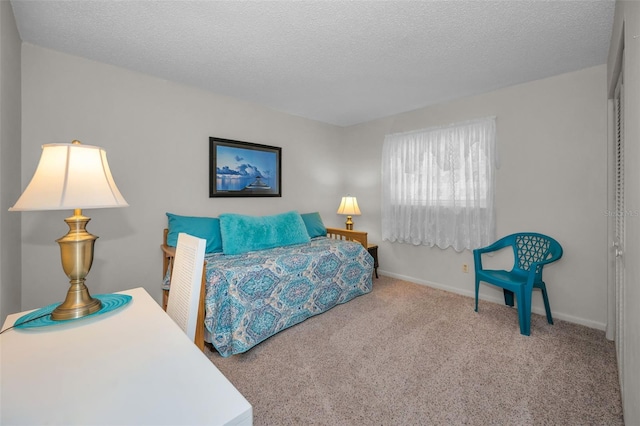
{"points": [[73, 176], [349, 207]]}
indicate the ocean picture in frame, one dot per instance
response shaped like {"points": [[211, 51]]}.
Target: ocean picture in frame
{"points": [[243, 169]]}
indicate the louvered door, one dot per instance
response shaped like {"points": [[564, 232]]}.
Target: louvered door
{"points": [[620, 218]]}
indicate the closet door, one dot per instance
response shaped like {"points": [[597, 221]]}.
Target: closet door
{"points": [[619, 230]]}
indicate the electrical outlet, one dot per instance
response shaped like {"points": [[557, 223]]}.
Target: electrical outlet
{"points": [[465, 268]]}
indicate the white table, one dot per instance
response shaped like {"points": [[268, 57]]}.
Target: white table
{"points": [[132, 366]]}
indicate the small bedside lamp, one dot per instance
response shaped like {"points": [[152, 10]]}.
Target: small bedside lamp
{"points": [[73, 176], [349, 206]]}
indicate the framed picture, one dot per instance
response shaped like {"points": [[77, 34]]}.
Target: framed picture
{"points": [[243, 169]]}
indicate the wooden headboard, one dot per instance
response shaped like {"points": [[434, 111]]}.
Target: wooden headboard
{"points": [[348, 235]]}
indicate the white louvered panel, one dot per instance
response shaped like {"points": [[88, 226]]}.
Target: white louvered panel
{"points": [[620, 218]]}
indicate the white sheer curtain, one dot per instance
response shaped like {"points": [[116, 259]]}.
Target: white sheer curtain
{"points": [[438, 186]]}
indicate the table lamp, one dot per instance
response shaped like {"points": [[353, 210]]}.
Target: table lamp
{"points": [[73, 176], [349, 206]]}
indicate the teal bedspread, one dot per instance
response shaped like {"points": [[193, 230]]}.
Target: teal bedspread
{"points": [[252, 296]]}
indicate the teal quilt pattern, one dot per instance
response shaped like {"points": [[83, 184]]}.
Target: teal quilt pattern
{"points": [[252, 296]]}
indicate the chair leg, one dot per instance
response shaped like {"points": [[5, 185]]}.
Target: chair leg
{"points": [[524, 311], [545, 299], [477, 290], [508, 297]]}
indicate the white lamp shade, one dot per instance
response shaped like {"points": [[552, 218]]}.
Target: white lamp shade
{"points": [[71, 176], [349, 206]]}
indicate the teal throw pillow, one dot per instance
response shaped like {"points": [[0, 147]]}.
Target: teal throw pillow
{"points": [[314, 225], [201, 227], [241, 233]]}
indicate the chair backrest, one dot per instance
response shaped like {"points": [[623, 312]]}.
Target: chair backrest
{"points": [[530, 247], [186, 282]]}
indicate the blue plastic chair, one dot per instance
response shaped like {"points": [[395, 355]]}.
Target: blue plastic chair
{"points": [[531, 252]]}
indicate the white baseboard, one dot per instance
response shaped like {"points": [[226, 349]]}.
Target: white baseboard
{"points": [[469, 293]]}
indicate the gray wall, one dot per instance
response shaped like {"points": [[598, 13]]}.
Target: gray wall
{"points": [[10, 184], [155, 133], [552, 145], [156, 136]]}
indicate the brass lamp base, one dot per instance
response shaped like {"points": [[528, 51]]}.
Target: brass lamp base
{"points": [[76, 252], [349, 223], [77, 304]]}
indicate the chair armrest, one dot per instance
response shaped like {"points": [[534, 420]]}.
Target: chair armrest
{"points": [[544, 262], [498, 245]]}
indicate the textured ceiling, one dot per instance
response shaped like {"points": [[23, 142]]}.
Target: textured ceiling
{"points": [[340, 62]]}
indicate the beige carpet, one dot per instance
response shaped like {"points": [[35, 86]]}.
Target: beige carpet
{"points": [[407, 354]]}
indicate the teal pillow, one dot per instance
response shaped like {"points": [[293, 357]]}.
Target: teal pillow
{"points": [[314, 225], [201, 227], [241, 233]]}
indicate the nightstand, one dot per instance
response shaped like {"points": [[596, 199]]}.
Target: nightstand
{"points": [[373, 251]]}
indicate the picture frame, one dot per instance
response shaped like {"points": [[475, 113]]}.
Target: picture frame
{"points": [[244, 169]]}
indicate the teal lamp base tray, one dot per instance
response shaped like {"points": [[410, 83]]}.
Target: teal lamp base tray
{"points": [[42, 317]]}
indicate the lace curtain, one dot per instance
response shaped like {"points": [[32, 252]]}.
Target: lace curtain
{"points": [[438, 186]]}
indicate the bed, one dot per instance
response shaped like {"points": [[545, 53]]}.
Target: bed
{"points": [[251, 296]]}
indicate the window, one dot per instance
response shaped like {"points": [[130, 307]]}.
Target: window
{"points": [[438, 186]]}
